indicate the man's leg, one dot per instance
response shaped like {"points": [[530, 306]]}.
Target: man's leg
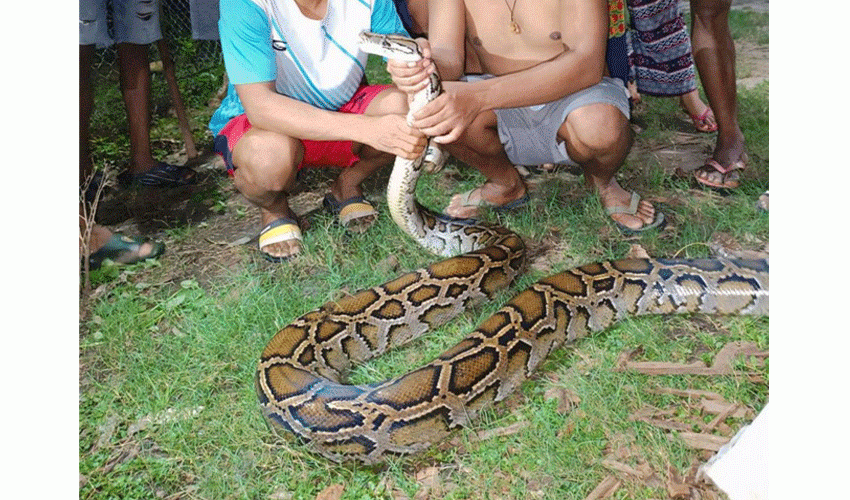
{"points": [[347, 185], [598, 138], [359, 214], [266, 166], [481, 148], [714, 53], [86, 107], [135, 88]]}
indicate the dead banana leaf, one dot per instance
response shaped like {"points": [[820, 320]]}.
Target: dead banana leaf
{"points": [[604, 489], [723, 362]]}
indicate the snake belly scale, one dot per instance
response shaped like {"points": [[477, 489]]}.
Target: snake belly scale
{"points": [[300, 378]]}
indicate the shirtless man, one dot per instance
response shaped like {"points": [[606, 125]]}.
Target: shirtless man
{"points": [[297, 99], [549, 101]]}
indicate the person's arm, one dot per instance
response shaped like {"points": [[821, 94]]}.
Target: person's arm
{"points": [[268, 110], [447, 28], [584, 28], [447, 22]]}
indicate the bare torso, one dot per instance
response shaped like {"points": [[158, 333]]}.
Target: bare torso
{"points": [[498, 49]]}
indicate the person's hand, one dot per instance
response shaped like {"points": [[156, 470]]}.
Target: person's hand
{"points": [[448, 116], [411, 77], [392, 134]]}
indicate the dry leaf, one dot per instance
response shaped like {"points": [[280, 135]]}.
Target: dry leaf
{"points": [[389, 264], [625, 356], [107, 430], [566, 398], [701, 441], [388, 485], [721, 416], [663, 368], [430, 484], [715, 407], [665, 424], [676, 487], [332, 492], [621, 467], [567, 430], [687, 393], [280, 495], [604, 489], [128, 450], [650, 412], [502, 431], [723, 362], [726, 356]]}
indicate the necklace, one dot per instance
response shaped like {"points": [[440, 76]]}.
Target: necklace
{"points": [[514, 26]]}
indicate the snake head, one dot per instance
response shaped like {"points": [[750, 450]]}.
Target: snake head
{"points": [[400, 48]]}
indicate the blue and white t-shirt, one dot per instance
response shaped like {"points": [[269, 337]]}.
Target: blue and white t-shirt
{"points": [[314, 61]]}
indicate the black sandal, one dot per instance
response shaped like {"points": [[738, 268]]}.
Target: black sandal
{"points": [[165, 175]]}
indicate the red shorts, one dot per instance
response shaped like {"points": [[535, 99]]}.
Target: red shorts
{"points": [[316, 153]]}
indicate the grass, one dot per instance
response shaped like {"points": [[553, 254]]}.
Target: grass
{"points": [[167, 406]]}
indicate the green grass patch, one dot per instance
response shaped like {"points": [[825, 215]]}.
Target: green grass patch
{"points": [[750, 25]]}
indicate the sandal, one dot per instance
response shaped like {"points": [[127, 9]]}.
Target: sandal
{"points": [[481, 202], [702, 123], [729, 175], [164, 175], [659, 222], [282, 229], [122, 249], [353, 213]]}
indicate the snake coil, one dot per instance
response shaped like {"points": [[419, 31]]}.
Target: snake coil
{"points": [[301, 373]]}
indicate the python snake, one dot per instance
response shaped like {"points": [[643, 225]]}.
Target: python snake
{"points": [[301, 373]]}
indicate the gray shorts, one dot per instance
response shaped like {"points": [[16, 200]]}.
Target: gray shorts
{"points": [[134, 21], [530, 134]]}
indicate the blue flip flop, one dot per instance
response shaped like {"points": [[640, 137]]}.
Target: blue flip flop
{"points": [[122, 249]]}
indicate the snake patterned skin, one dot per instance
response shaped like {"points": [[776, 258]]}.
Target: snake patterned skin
{"points": [[301, 374]]}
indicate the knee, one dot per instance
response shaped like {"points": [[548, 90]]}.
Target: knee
{"points": [[390, 101], [394, 102], [482, 135], [265, 162], [708, 13], [600, 127]]}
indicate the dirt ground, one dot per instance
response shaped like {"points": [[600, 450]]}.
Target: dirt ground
{"points": [[223, 221]]}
